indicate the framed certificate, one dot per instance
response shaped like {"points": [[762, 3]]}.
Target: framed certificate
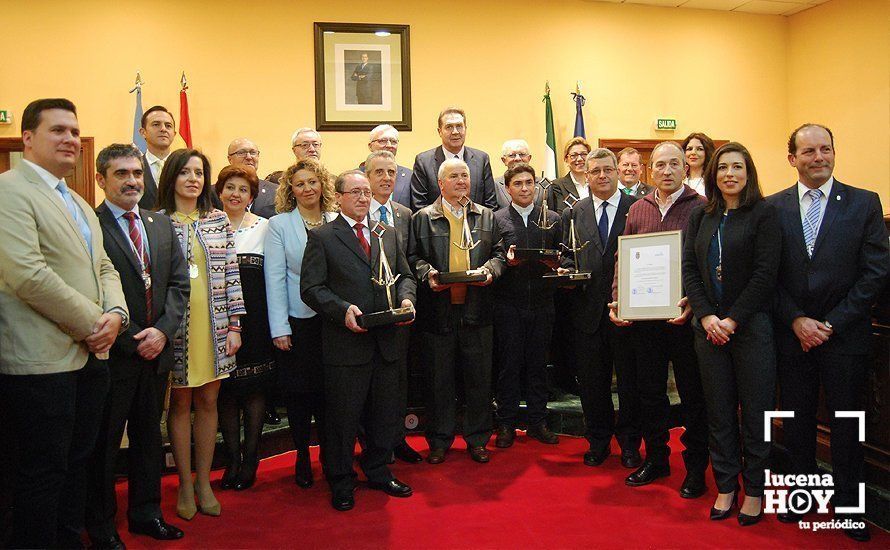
{"points": [[649, 277]]}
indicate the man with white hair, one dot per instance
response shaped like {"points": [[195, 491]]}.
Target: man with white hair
{"points": [[243, 152], [306, 143], [386, 138], [513, 152]]}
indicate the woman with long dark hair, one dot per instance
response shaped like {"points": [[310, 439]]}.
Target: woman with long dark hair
{"points": [[699, 149]]}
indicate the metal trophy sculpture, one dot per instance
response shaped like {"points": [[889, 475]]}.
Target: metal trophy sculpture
{"points": [[575, 274], [466, 244], [385, 279], [541, 254]]}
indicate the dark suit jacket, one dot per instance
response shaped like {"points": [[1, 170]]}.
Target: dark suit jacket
{"points": [[559, 189], [523, 285], [842, 280], [264, 203], [752, 244], [642, 191], [402, 224], [335, 274], [401, 192], [149, 198], [169, 280], [425, 179], [600, 262]]}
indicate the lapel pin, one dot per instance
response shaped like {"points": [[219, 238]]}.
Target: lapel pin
{"points": [[837, 197], [262, 190], [150, 219]]}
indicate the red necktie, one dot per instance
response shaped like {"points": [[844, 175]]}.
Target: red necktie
{"points": [[136, 239], [361, 239]]}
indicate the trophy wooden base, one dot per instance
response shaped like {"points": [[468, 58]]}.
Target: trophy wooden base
{"points": [[468, 276], [568, 279], [388, 317], [536, 254]]}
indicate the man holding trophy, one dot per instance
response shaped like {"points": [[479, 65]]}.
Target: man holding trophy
{"points": [[456, 252], [358, 279]]}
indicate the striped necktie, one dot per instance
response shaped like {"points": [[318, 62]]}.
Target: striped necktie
{"points": [[811, 220]]}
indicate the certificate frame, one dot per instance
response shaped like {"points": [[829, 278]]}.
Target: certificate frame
{"points": [[629, 291]]}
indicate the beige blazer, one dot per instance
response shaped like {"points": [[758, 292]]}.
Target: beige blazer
{"points": [[51, 291]]}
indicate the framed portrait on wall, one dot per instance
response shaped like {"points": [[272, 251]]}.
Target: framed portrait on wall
{"points": [[362, 76]]}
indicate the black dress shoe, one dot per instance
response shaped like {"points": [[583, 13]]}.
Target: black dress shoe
{"points": [[693, 486], [480, 454], [156, 528], [436, 456], [247, 475], [504, 438], [647, 473], [859, 534], [789, 517], [745, 520], [719, 515], [542, 433], [303, 470], [113, 542], [230, 476], [393, 488], [630, 458], [595, 458], [405, 453], [343, 502]]}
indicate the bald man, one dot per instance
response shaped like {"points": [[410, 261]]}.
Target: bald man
{"points": [[243, 152]]}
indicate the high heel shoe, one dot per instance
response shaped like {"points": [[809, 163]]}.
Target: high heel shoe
{"points": [[231, 475], [745, 520], [247, 475], [303, 470], [718, 515], [209, 508], [185, 506]]}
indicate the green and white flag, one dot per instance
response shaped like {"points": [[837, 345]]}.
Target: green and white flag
{"points": [[550, 141]]}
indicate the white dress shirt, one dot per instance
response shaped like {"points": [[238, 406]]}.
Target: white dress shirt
{"points": [[450, 155], [805, 201], [671, 199], [633, 188], [365, 230], [525, 211], [580, 187], [375, 212], [611, 209], [697, 185], [155, 164]]}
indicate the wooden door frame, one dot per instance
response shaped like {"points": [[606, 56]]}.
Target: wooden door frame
{"points": [[81, 180]]}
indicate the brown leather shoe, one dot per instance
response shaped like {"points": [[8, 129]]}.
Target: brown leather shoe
{"points": [[436, 456], [480, 454], [505, 437]]}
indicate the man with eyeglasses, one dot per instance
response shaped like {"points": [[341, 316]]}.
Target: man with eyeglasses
{"points": [[630, 168], [452, 128], [243, 152], [305, 143], [513, 152], [386, 138], [599, 220]]}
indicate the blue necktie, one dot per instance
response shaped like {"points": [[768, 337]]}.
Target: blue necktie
{"points": [[603, 225], [384, 218], [76, 214], [811, 220]]}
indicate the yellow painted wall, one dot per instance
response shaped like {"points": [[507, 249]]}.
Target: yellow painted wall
{"points": [[839, 75], [250, 69]]}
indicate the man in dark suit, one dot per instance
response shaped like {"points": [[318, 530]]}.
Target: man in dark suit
{"points": [[143, 248], [159, 129], [366, 76], [381, 170], [630, 168], [243, 152], [386, 138], [513, 152], [599, 221], [453, 132], [361, 366], [834, 264]]}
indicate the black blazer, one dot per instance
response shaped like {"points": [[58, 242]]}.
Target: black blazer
{"points": [[600, 262], [335, 274], [523, 285], [169, 280], [149, 198], [425, 178], [264, 203], [752, 243], [558, 191], [843, 279]]}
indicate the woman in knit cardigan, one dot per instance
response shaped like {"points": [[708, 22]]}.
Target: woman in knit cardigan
{"points": [[205, 345]]}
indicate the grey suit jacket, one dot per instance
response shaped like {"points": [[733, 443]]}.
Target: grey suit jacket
{"points": [[642, 191], [425, 180], [264, 203], [401, 193], [504, 199]]}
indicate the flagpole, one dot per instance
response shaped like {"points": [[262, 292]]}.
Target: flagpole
{"points": [[138, 140]]}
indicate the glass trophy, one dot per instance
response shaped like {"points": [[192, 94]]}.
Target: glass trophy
{"points": [[386, 280]]}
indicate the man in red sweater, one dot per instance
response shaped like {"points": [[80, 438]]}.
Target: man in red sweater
{"points": [[658, 343]]}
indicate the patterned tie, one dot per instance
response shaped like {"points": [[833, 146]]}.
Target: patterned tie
{"points": [[811, 220], [75, 212], [362, 240], [627, 190], [136, 239], [603, 225], [384, 217]]}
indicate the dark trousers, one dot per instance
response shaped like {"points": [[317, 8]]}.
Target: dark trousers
{"points": [[54, 418], [562, 347], [624, 354], [523, 338], [594, 360], [843, 379], [659, 343], [741, 373], [353, 393], [135, 400], [301, 407], [301, 381], [465, 349]]}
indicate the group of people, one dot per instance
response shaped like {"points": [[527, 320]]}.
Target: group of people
{"points": [[196, 296]]}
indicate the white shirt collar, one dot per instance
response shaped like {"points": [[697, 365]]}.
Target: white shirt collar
{"points": [[152, 159], [825, 188], [456, 212], [633, 188], [523, 211], [45, 174], [118, 211], [352, 222], [449, 155], [672, 198], [375, 208], [613, 200]]}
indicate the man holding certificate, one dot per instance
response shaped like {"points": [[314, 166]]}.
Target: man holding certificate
{"points": [[658, 343]]}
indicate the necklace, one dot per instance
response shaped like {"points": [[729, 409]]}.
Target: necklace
{"points": [[719, 268], [313, 224]]}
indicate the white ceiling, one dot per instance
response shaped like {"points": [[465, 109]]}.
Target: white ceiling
{"points": [[768, 7]]}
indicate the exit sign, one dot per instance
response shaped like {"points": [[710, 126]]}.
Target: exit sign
{"points": [[5, 117], [666, 124]]}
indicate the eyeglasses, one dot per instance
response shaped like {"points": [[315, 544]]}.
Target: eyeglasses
{"points": [[245, 153], [308, 144], [575, 156], [517, 154], [608, 171], [358, 193], [386, 141]]}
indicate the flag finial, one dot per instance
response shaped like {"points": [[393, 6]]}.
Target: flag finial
{"points": [[184, 82], [138, 84], [547, 87], [578, 87]]}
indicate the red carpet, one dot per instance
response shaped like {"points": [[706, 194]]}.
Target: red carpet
{"points": [[529, 496]]}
